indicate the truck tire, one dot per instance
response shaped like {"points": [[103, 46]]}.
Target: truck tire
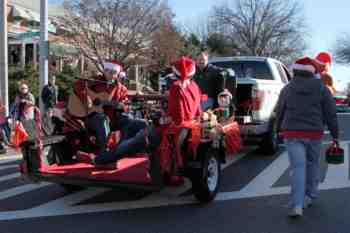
{"points": [[270, 142], [206, 180]]}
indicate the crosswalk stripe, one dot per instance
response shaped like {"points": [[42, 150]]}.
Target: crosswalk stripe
{"points": [[9, 159], [72, 199], [9, 177], [20, 190], [8, 167], [269, 175], [339, 173]]}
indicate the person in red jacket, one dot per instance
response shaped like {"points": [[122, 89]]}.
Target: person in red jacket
{"points": [[183, 108], [185, 95]]}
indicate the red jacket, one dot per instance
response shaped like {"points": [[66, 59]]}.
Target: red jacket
{"points": [[184, 102]]}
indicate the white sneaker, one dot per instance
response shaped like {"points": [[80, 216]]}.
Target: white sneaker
{"points": [[307, 202], [295, 212]]}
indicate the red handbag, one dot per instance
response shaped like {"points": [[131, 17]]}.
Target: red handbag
{"points": [[19, 135], [335, 154]]}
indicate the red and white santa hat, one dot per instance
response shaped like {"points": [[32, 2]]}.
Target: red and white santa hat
{"points": [[184, 68], [305, 64], [324, 58], [113, 65]]}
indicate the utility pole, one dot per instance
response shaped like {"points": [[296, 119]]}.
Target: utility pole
{"points": [[44, 47], [3, 56]]}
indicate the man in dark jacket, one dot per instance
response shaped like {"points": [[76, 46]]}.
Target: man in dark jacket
{"points": [[212, 80], [49, 94], [304, 107]]}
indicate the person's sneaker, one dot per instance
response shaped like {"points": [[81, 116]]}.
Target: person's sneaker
{"points": [[295, 212], [307, 202], [84, 157]]}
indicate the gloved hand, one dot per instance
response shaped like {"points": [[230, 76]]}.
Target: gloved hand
{"points": [[335, 141]]}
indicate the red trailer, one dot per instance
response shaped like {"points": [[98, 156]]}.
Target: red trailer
{"points": [[195, 151]]}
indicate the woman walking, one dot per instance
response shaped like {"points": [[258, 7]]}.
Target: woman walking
{"points": [[304, 107]]}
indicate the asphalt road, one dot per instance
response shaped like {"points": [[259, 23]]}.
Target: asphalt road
{"points": [[253, 198]]}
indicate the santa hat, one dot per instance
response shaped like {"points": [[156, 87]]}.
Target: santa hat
{"points": [[324, 58], [305, 64], [184, 68], [113, 65]]}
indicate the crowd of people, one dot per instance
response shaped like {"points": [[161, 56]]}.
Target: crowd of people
{"points": [[23, 110]]}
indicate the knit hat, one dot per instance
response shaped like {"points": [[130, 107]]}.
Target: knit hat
{"points": [[184, 68], [305, 64], [324, 58], [113, 65]]}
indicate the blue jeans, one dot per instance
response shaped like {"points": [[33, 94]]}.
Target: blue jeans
{"points": [[304, 156], [133, 141], [98, 125]]}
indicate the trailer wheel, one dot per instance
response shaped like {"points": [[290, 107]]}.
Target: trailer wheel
{"points": [[206, 180]]}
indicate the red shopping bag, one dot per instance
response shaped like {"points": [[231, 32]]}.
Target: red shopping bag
{"points": [[335, 154], [19, 135]]}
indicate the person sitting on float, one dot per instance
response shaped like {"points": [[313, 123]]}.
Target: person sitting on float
{"points": [[89, 91]]}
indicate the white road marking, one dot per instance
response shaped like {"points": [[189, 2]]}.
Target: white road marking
{"points": [[7, 159], [269, 175], [336, 178], [21, 189], [261, 185], [65, 205], [8, 166], [72, 199], [338, 173], [10, 177], [176, 191]]}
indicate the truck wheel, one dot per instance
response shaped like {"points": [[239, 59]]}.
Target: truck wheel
{"points": [[269, 143], [205, 183]]}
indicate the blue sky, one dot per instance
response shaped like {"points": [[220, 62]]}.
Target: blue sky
{"points": [[325, 20]]}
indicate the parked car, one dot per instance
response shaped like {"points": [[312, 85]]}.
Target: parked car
{"points": [[259, 82], [342, 103]]}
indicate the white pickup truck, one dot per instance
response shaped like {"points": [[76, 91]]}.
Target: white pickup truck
{"points": [[259, 82]]}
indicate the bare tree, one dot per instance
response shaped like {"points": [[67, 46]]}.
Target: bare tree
{"points": [[113, 29], [272, 28], [167, 42], [342, 49]]}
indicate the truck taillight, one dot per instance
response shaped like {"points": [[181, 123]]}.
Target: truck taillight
{"points": [[257, 98], [340, 101]]}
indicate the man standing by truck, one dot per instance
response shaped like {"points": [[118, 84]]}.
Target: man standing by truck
{"points": [[212, 80]]}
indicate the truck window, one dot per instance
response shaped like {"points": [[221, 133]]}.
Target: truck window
{"points": [[247, 69], [282, 73]]}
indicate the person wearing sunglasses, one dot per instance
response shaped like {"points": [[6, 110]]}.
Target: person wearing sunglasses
{"points": [[23, 102]]}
